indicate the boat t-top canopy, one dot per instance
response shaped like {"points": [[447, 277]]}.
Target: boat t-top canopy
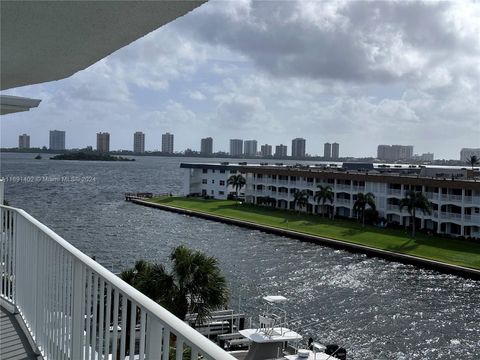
{"points": [[275, 299]]}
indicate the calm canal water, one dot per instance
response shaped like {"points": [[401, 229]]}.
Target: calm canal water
{"points": [[374, 308]]}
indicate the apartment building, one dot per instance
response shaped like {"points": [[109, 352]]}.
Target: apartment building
{"points": [[236, 147], [167, 143], [327, 151], [281, 151], [394, 152], [103, 142], [298, 148], [206, 146], [466, 153], [266, 150], [210, 179], [250, 147], [57, 140], [454, 193], [24, 141], [335, 151], [139, 142]]}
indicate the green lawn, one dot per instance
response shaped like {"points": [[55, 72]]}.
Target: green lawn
{"points": [[436, 248]]}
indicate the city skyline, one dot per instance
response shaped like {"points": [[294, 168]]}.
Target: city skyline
{"points": [[394, 88]]}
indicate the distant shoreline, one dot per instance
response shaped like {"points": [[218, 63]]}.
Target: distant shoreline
{"points": [[225, 156]]}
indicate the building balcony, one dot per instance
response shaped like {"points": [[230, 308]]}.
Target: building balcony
{"points": [[450, 216], [342, 202], [395, 192], [454, 198], [340, 187], [74, 308]]}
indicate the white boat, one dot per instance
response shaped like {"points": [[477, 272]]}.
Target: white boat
{"points": [[274, 340]]}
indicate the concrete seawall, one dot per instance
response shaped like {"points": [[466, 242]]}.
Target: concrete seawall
{"points": [[337, 244]]}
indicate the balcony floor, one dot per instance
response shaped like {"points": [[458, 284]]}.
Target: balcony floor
{"points": [[13, 342]]}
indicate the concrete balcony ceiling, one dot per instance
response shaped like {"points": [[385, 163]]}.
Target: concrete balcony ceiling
{"points": [[51, 40]]}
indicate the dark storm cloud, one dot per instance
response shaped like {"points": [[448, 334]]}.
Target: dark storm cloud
{"points": [[352, 41]]}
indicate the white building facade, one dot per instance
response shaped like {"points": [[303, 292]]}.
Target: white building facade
{"points": [[210, 180], [455, 200]]}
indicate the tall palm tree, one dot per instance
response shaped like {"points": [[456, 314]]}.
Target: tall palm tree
{"points": [[473, 160], [323, 194], [194, 285], [300, 198], [361, 203], [414, 200], [237, 181]]}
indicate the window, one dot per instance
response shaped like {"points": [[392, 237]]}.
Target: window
{"points": [[204, 181], [221, 193], [222, 171], [211, 192], [222, 182], [233, 171], [213, 181], [204, 171], [213, 170]]}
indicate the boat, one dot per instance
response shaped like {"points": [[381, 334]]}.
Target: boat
{"points": [[38, 157], [273, 339]]}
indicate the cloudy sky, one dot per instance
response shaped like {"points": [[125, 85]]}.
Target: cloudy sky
{"points": [[358, 73]]}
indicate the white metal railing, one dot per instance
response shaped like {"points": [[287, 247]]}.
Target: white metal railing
{"points": [[394, 192], [74, 308], [450, 197]]}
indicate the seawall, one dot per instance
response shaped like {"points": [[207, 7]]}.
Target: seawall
{"points": [[337, 244]]}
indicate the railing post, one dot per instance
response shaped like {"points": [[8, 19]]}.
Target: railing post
{"points": [[154, 338], [78, 304]]}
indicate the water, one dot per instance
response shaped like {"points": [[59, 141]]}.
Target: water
{"points": [[374, 308]]}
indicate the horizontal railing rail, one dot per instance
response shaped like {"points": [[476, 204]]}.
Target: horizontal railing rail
{"points": [[74, 308]]}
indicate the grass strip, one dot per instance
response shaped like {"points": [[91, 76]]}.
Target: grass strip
{"points": [[447, 250]]}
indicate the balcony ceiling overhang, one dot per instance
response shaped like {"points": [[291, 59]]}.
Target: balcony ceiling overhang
{"points": [[51, 40], [12, 104]]}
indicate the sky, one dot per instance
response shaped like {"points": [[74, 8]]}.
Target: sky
{"points": [[354, 72]]}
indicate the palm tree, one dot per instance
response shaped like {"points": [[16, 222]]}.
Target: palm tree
{"points": [[300, 198], [473, 160], [194, 285], [361, 203], [237, 181], [323, 194], [414, 200]]}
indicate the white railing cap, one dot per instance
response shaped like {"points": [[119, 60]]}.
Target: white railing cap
{"points": [[175, 325]]}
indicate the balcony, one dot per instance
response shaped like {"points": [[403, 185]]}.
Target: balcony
{"points": [[74, 308], [449, 197], [342, 202], [450, 216], [340, 187], [395, 192]]}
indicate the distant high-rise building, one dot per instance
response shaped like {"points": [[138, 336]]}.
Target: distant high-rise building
{"points": [[335, 151], [424, 157], [167, 143], [139, 142], [395, 152], [24, 141], [236, 147], [103, 142], [298, 148], [281, 151], [206, 146], [57, 140], [466, 153], [250, 147], [266, 150], [327, 151]]}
